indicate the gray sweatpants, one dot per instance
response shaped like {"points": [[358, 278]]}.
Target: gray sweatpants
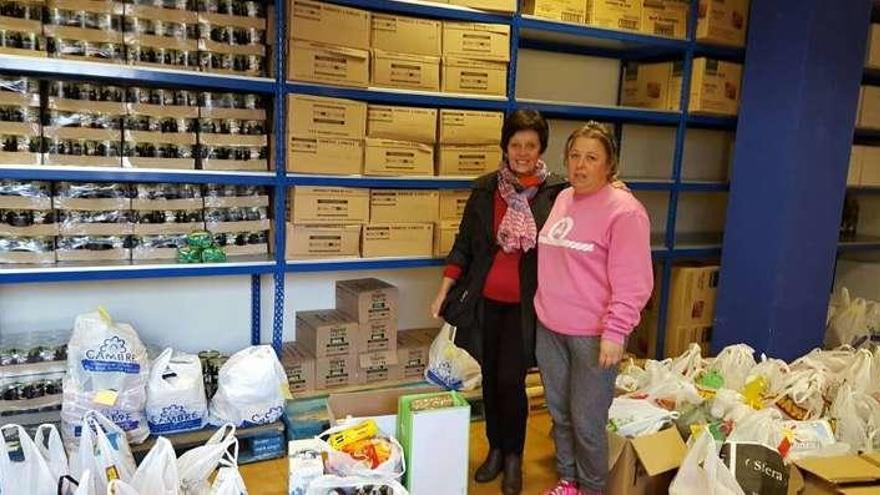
{"points": [[578, 393]]}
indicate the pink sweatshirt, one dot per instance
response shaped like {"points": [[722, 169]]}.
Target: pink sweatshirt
{"points": [[594, 264]]}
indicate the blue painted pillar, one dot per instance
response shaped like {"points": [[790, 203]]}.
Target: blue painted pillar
{"points": [[800, 90]]}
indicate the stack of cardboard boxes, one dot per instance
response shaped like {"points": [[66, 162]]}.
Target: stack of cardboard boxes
{"points": [[325, 135], [21, 22], [406, 52], [325, 222], [475, 58], [400, 140], [714, 86], [468, 142], [452, 203], [401, 223], [864, 166]]}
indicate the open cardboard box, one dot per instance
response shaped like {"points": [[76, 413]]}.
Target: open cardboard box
{"points": [[380, 406], [644, 465], [849, 475]]}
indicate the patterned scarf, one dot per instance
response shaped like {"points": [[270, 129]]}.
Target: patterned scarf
{"points": [[518, 229]]}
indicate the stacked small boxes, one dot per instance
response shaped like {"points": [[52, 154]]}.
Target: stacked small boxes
{"points": [[475, 58], [299, 366], [413, 347], [85, 30], [406, 52], [868, 116], [94, 221], [452, 203], [325, 222], [232, 37], [329, 336], [400, 141], [326, 135], [647, 85], [468, 142], [714, 86], [723, 22], [161, 37], [163, 215], [401, 223], [27, 222], [20, 133], [561, 10], [83, 123], [22, 25], [615, 14], [329, 44], [160, 128], [373, 304], [691, 308], [238, 218], [233, 132], [864, 166], [665, 17]]}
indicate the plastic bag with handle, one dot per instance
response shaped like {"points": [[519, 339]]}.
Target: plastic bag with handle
{"points": [[119, 487], [766, 427], [773, 371], [849, 325], [195, 466], [860, 374], [228, 481], [734, 364], [450, 366], [803, 396], [636, 417], [857, 416], [688, 364], [67, 485], [22, 468], [670, 389], [250, 389], [176, 394], [703, 472], [342, 464], [48, 442], [157, 473], [104, 451], [840, 299], [631, 378]]}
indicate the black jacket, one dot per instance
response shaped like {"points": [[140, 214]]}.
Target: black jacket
{"points": [[474, 250]]}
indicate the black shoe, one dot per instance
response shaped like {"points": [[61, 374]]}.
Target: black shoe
{"points": [[511, 483], [491, 467]]}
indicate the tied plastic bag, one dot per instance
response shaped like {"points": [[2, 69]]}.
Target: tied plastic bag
{"points": [[840, 299], [176, 399], [157, 474], [195, 466], [250, 389], [773, 371], [333, 485], [125, 411], [631, 378], [849, 325], [450, 366], [860, 374], [857, 416], [22, 468], [802, 397], [668, 388], [730, 405], [69, 486], [765, 427], [119, 487], [342, 464], [703, 472], [689, 364], [103, 450], [833, 361], [636, 417], [49, 444], [806, 438], [734, 363], [228, 482]]}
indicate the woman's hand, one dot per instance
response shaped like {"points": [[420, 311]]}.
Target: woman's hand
{"points": [[438, 303], [610, 353]]}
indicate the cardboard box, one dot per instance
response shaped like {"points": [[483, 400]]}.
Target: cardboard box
{"points": [[388, 157], [378, 405], [379, 335], [322, 241], [665, 17], [329, 64], [869, 108], [160, 138], [26, 258], [854, 172], [445, 233], [647, 85], [615, 14], [644, 465], [329, 205], [412, 355], [470, 127], [318, 155], [318, 116], [329, 23], [715, 87], [326, 332], [872, 53], [692, 295], [402, 123], [474, 76], [869, 166], [405, 71], [20, 129], [404, 205], [375, 367], [680, 337], [336, 371], [476, 41], [367, 299], [452, 203], [414, 35], [397, 240], [492, 5], [299, 365], [468, 160], [723, 22], [849, 474], [560, 10], [115, 254]]}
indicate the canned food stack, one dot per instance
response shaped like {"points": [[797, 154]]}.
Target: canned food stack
{"points": [[20, 121], [21, 28], [94, 221], [238, 218], [31, 369], [82, 124], [162, 35], [164, 214], [27, 222], [160, 128], [232, 37], [233, 132], [85, 30]]}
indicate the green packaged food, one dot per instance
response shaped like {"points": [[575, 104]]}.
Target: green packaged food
{"points": [[213, 255], [200, 240], [189, 255]]}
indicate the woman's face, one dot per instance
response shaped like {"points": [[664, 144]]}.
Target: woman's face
{"points": [[523, 152], [588, 165]]}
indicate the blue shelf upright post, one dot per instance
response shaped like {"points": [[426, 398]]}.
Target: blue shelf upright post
{"points": [[515, 26], [280, 185], [256, 310]]}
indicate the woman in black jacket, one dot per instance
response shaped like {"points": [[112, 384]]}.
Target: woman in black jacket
{"points": [[490, 281]]}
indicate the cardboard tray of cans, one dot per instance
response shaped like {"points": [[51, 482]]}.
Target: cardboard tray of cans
{"points": [[27, 222], [161, 37], [83, 124], [238, 218], [22, 25], [84, 29], [232, 37], [94, 221], [160, 128], [21, 142], [233, 132], [164, 214]]}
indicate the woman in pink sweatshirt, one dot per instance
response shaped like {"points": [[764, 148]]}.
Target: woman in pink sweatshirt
{"points": [[594, 278]]}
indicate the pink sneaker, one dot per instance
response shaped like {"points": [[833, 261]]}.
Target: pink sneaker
{"points": [[565, 487]]}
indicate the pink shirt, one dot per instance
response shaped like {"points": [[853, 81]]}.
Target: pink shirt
{"points": [[594, 264]]}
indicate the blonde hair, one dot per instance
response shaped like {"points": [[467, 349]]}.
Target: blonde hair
{"points": [[601, 133]]}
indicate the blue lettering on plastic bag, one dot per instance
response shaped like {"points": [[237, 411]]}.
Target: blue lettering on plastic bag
{"points": [[175, 418], [110, 357]]}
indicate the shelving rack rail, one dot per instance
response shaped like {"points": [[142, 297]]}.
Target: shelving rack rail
{"points": [[526, 32]]}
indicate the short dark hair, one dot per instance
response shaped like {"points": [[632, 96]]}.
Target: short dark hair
{"points": [[525, 120]]}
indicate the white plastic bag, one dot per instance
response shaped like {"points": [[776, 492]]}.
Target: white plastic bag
{"points": [[22, 468], [195, 466], [103, 450], [636, 417], [809, 437], [48, 442], [860, 374], [450, 366], [176, 399], [802, 397], [702, 472], [631, 378], [68, 485], [328, 485], [840, 299], [773, 371], [730, 405], [858, 419], [119, 487], [669, 387], [342, 464], [249, 389], [734, 363], [690, 364], [157, 474], [848, 325], [228, 482], [765, 427]]}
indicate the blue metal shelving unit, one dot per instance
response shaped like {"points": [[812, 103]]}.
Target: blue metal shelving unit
{"points": [[526, 32]]}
